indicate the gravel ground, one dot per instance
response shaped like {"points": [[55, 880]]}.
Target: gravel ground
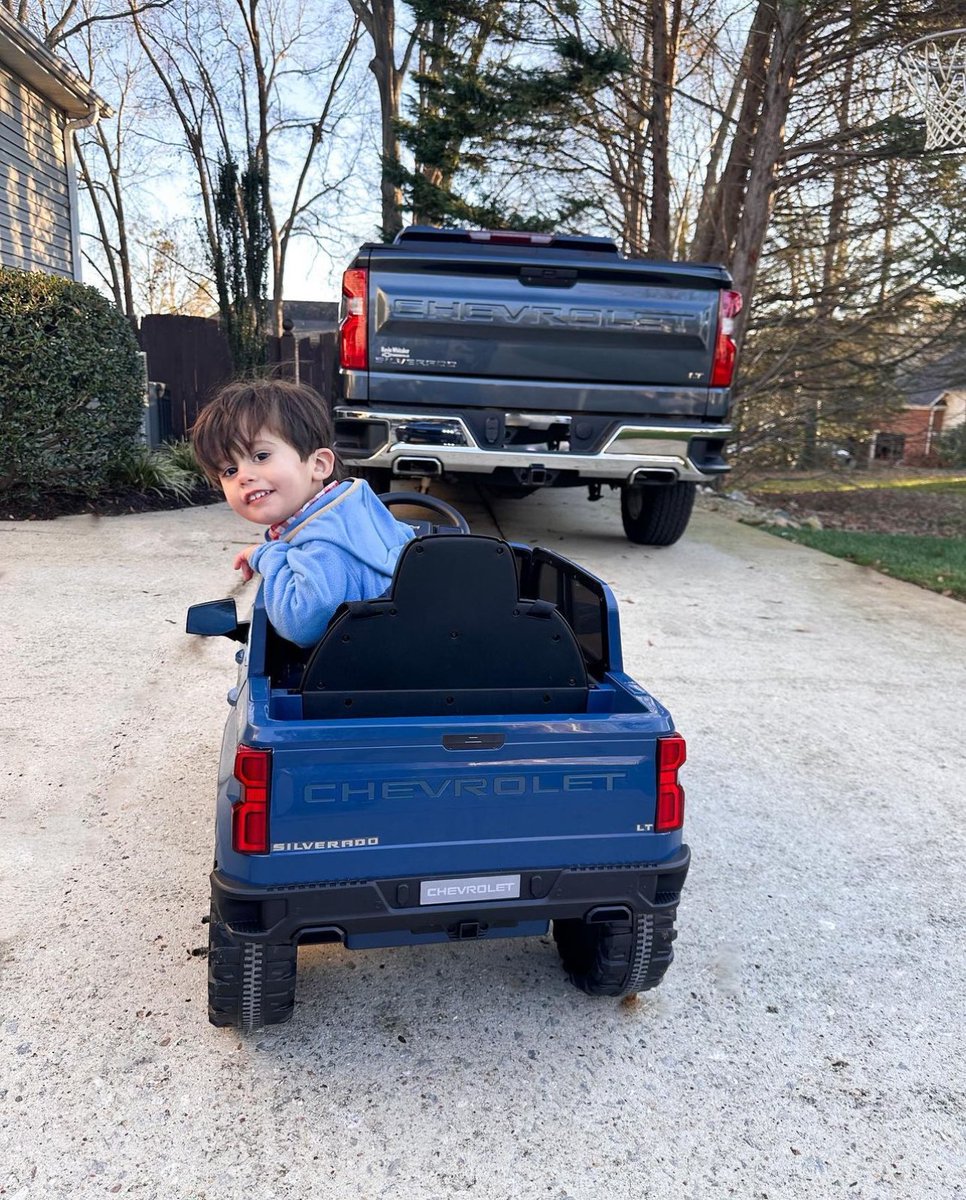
{"points": [[807, 1041]]}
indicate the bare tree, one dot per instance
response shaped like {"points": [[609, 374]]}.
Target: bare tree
{"points": [[641, 141], [59, 24], [171, 281], [96, 40], [860, 242], [235, 75], [111, 154], [378, 18]]}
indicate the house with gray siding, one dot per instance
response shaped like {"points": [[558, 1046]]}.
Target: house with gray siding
{"points": [[42, 101]]}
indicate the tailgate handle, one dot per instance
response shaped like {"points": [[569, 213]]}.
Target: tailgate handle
{"points": [[473, 741], [548, 276]]}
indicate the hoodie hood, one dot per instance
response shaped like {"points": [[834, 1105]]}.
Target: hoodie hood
{"points": [[354, 520]]}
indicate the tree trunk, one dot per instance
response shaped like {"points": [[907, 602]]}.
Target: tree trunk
{"points": [[379, 20], [832, 273], [659, 233], [768, 146], [715, 235]]}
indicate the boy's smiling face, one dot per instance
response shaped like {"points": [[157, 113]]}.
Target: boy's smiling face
{"points": [[268, 482]]}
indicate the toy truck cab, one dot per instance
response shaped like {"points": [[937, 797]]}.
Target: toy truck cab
{"points": [[463, 758]]}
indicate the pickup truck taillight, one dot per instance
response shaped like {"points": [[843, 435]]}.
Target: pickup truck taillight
{"points": [[353, 341], [725, 348], [671, 753], [249, 817]]}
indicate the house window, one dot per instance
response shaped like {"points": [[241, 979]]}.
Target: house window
{"points": [[889, 447]]}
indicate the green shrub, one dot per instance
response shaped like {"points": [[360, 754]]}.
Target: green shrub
{"points": [[183, 454], [146, 470], [71, 386]]}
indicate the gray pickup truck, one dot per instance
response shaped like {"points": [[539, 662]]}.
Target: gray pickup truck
{"points": [[528, 360]]}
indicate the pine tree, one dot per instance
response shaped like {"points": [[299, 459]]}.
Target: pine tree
{"points": [[490, 85], [240, 260]]}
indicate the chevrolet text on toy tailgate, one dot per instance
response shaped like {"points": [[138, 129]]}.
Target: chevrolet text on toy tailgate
{"points": [[523, 361], [459, 760]]}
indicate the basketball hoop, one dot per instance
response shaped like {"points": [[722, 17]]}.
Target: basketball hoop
{"points": [[935, 69]]}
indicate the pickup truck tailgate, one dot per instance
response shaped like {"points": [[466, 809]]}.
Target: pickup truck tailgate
{"points": [[570, 317]]}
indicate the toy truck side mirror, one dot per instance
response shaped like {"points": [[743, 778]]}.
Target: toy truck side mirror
{"points": [[217, 618]]}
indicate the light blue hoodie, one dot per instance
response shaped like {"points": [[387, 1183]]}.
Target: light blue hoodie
{"points": [[342, 547]]}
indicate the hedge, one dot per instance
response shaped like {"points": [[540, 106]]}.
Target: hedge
{"points": [[71, 386]]}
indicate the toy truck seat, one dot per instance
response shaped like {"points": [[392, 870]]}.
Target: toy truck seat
{"points": [[452, 637]]}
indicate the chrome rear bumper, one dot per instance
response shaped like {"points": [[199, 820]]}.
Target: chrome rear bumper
{"points": [[416, 444]]}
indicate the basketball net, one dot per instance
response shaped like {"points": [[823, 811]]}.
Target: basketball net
{"points": [[935, 70]]}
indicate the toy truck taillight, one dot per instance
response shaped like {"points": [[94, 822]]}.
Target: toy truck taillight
{"points": [[671, 754], [249, 816]]}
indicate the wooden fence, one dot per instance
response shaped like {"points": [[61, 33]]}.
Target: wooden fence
{"points": [[310, 360], [190, 357]]}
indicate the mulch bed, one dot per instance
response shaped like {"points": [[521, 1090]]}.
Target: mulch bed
{"points": [[113, 504], [877, 510]]}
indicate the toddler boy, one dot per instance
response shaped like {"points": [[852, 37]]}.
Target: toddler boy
{"points": [[267, 442]]}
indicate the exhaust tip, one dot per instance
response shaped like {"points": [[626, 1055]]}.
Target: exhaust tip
{"points": [[417, 466], [652, 475]]}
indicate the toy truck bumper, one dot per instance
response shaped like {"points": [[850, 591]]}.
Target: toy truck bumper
{"points": [[385, 912]]}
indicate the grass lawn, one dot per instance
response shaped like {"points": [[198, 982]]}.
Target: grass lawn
{"points": [[937, 563], [850, 481]]}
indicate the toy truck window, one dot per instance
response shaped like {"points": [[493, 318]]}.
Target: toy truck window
{"points": [[580, 599]]}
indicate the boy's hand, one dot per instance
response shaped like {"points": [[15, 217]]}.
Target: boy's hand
{"points": [[242, 564]]}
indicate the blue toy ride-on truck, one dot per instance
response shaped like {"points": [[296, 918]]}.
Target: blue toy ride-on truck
{"points": [[462, 758]]}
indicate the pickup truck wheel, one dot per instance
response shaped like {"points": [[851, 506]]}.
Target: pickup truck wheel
{"points": [[656, 514], [616, 958], [250, 984]]}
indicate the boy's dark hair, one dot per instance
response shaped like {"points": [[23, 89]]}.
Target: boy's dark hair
{"points": [[229, 423]]}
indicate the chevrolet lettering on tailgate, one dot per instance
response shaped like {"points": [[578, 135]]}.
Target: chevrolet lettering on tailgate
{"points": [[467, 785]]}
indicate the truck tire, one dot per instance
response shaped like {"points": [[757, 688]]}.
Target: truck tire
{"points": [[656, 514], [616, 958], [250, 984]]}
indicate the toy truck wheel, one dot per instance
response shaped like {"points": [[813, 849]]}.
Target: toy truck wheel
{"points": [[250, 984], [616, 957], [656, 514]]}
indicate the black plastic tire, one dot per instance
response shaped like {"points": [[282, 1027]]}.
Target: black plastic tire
{"points": [[250, 984], [616, 958], [656, 514]]}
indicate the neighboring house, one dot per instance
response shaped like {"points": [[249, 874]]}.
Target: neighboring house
{"points": [[42, 101], [935, 403]]}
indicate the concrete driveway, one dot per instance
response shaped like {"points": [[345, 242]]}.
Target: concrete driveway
{"points": [[807, 1042]]}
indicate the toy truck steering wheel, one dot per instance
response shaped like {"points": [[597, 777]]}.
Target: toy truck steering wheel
{"points": [[418, 500]]}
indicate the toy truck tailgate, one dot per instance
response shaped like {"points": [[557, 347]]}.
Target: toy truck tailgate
{"points": [[452, 799]]}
